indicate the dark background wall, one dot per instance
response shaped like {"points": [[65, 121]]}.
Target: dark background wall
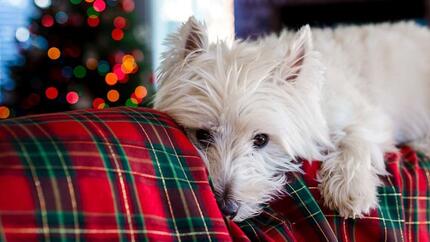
{"points": [[256, 17]]}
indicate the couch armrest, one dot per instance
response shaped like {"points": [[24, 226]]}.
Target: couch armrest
{"points": [[120, 174]]}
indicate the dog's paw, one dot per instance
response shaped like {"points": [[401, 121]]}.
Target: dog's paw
{"points": [[351, 193]]}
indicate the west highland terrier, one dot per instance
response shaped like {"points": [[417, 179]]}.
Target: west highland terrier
{"points": [[344, 96]]}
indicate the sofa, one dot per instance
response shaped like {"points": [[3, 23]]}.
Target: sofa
{"points": [[130, 174]]}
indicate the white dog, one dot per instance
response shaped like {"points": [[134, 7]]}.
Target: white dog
{"points": [[344, 96]]}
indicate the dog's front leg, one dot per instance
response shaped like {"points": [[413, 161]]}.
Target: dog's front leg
{"points": [[349, 176]]}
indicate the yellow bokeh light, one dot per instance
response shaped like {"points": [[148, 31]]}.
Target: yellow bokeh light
{"points": [[128, 64], [54, 53], [101, 106], [134, 100], [113, 95], [4, 112]]}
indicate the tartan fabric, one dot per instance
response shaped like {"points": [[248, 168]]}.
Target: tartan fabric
{"points": [[403, 214], [120, 174], [130, 174]]}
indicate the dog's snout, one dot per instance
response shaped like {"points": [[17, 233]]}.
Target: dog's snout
{"points": [[229, 208]]}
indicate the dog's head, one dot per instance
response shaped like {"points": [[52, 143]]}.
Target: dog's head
{"points": [[250, 107]]}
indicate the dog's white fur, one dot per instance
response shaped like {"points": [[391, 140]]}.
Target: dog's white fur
{"points": [[343, 95]]}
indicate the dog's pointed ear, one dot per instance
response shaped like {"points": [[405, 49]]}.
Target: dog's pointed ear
{"points": [[297, 54], [195, 37]]}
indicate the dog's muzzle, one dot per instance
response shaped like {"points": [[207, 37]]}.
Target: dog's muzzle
{"points": [[229, 208]]}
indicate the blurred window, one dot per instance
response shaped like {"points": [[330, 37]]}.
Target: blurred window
{"points": [[167, 15], [13, 20]]}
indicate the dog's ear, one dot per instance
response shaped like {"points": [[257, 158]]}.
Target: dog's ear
{"points": [[190, 40], [195, 37], [297, 53]]}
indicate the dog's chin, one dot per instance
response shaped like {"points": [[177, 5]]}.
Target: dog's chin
{"points": [[247, 211], [253, 201]]}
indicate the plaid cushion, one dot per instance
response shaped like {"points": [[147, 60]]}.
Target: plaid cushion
{"points": [[403, 214], [126, 174], [113, 175]]}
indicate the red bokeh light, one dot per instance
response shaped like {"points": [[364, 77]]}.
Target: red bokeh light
{"points": [[128, 5], [119, 73], [72, 97], [117, 34], [47, 21], [99, 5], [98, 103], [120, 22], [51, 93], [93, 21]]}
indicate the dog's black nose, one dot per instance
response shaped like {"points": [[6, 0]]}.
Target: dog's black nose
{"points": [[229, 208]]}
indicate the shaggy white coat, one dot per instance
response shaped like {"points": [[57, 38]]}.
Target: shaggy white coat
{"points": [[344, 96]]}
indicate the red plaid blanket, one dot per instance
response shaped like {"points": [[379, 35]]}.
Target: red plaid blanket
{"points": [[403, 214], [128, 174]]}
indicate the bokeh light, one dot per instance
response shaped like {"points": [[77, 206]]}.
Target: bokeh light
{"points": [[93, 21], [128, 5], [128, 64], [47, 21], [72, 97], [79, 71], [92, 12], [91, 63], [140, 92], [119, 22], [42, 3], [113, 95], [99, 103], [22, 34], [51, 93], [118, 71], [54, 53], [117, 34], [99, 5], [4, 112], [111, 79], [130, 103], [61, 17], [103, 67]]}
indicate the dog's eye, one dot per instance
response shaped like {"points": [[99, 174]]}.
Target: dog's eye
{"points": [[260, 140], [204, 137]]}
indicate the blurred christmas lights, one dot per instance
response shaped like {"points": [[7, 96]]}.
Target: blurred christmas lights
{"points": [[54, 53], [99, 5], [22, 34], [51, 93], [119, 22], [42, 3], [111, 79], [4, 112], [117, 68], [117, 34], [113, 95], [140, 92], [47, 21], [72, 97]]}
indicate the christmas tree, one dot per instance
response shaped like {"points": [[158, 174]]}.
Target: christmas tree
{"points": [[82, 53]]}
